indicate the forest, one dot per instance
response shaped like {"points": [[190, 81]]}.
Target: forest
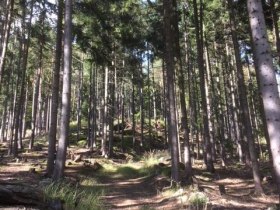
{"points": [[139, 104]]}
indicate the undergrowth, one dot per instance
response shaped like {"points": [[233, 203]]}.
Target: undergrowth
{"points": [[80, 196]]}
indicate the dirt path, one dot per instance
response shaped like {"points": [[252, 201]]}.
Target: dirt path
{"points": [[145, 193], [139, 193]]}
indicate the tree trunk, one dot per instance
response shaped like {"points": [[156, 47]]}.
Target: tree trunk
{"points": [[123, 123], [10, 8], [92, 109], [5, 115], [66, 94], [55, 92], [105, 114], [170, 69], [22, 68], [141, 86], [276, 28], [112, 82], [209, 86], [23, 132], [133, 110], [206, 134], [244, 106], [266, 79], [79, 101], [149, 97], [164, 102], [182, 95], [35, 101]]}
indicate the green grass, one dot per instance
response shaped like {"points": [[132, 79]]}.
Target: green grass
{"points": [[198, 200], [82, 143], [81, 196], [147, 165], [128, 171]]}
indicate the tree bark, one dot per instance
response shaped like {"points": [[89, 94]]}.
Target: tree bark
{"points": [[55, 92], [6, 37], [267, 79], [105, 114], [79, 101], [276, 28], [182, 95], [206, 134], [22, 75], [133, 110], [66, 94], [170, 69]]}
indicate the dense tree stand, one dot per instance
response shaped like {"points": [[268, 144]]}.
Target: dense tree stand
{"points": [[143, 95]]}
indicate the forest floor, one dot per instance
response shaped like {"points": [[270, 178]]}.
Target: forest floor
{"points": [[143, 183]]}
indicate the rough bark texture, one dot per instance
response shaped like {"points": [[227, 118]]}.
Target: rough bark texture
{"points": [[267, 79], [66, 94]]}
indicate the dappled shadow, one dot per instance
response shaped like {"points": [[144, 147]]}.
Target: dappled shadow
{"points": [[238, 188], [131, 193]]}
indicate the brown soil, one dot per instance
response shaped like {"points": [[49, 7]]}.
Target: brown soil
{"points": [[146, 192]]}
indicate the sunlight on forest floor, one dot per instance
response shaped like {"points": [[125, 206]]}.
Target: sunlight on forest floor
{"points": [[136, 183]]}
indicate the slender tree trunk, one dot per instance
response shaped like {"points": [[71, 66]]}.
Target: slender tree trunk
{"points": [[154, 96], [39, 112], [133, 109], [23, 132], [55, 92], [79, 101], [149, 98], [22, 68], [169, 12], [141, 81], [182, 95], [35, 101], [92, 109], [164, 102], [105, 114], [5, 115], [276, 28], [12, 108], [123, 123], [206, 134], [66, 94], [10, 8], [209, 85], [112, 82]]}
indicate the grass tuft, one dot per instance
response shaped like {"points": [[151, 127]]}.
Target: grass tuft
{"points": [[75, 196], [198, 200]]}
